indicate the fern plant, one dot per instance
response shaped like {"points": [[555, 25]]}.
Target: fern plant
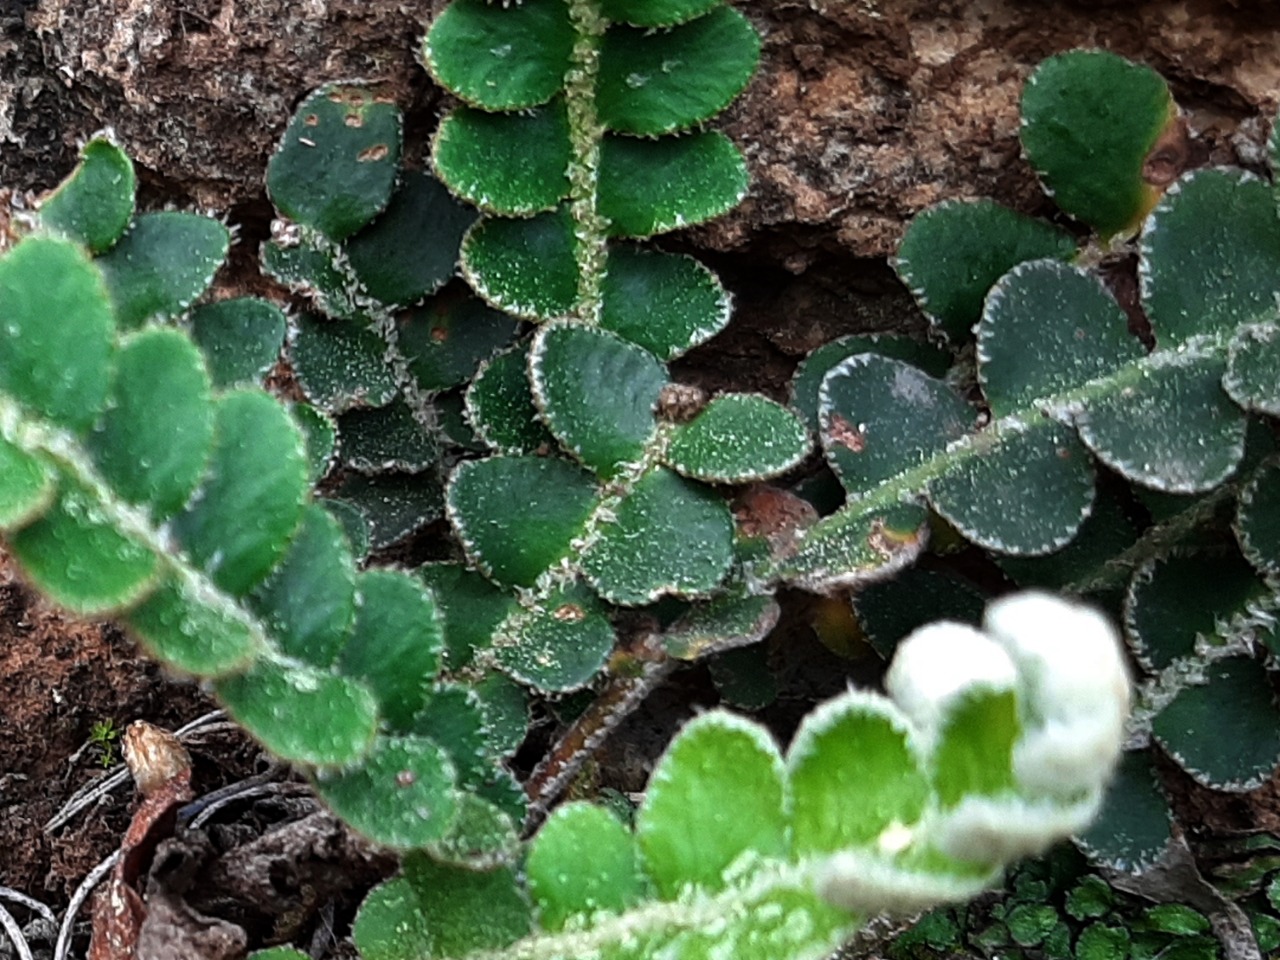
{"points": [[993, 745], [331, 669], [1069, 393], [603, 150], [276, 615], [596, 489], [1065, 385], [1063, 380], [148, 478]]}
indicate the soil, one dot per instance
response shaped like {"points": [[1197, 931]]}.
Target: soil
{"points": [[58, 678], [272, 868], [863, 113]]}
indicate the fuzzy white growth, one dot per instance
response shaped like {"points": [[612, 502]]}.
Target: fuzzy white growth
{"points": [[869, 884], [1000, 830], [1066, 664], [937, 663], [1075, 691]]}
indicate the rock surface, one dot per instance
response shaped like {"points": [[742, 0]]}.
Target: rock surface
{"points": [[864, 111]]}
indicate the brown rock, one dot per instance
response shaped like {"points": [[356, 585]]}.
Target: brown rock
{"points": [[864, 111], [199, 91]]}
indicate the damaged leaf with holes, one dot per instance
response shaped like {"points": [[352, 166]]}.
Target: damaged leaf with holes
{"points": [[336, 166]]}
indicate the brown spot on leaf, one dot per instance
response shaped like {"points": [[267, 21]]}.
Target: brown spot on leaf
{"points": [[406, 778], [569, 613], [377, 152], [764, 510], [439, 334], [1168, 157], [845, 434], [680, 402], [353, 120], [311, 120], [888, 542], [777, 516]]}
